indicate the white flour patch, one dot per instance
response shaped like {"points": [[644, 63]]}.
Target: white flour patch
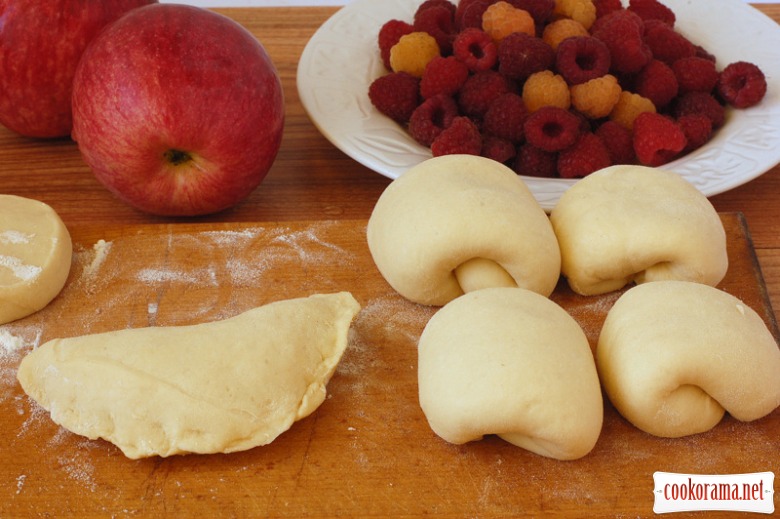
{"points": [[308, 245], [12, 347], [10, 344], [20, 269], [233, 237], [15, 237], [101, 249], [172, 275], [20, 483], [79, 468]]}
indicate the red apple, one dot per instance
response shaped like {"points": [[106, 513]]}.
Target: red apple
{"points": [[41, 42], [178, 110]]}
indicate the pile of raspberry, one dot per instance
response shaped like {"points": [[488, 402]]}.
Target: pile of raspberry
{"points": [[556, 88]]}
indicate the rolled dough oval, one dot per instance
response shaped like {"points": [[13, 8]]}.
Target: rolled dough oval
{"points": [[627, 224], [35, 256], [223, 386], [673, 355], [510, 362], [458, 223]]}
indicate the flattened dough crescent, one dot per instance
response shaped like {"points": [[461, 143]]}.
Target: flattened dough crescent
{"points": [[625, 224], [673, 355], [35, 256], [458, 223], [511, 362], [224, 386]]}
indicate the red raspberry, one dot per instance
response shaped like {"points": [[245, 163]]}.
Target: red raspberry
{"points": [[618, 140], [667, 44], [695, 74], [621, 31], [479, 90], [584, 157], [535, 162], [443, 76], [462, 136], [700, 103], [604, 7], [652, 10], [469, 13], [552, 129], [582, 58], [697, 129], [389, 35], [475, 48], [657, 82], [657, 139], [505, 117], [520, 55], [431, 118], [437, 21], [396, 95], [701, 52], [436, 3], [498, 149], [540, 10], [742, 84]]}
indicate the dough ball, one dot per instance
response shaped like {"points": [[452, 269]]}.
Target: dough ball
{"points": [[510, 362], [35, 256], [458, 223], [223, 386], [627, 224], [673, 355]]}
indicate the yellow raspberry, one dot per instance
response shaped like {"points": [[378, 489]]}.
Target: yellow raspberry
{"points": [[413, 52], [546, 89], [628, 107], [596, 98], [583, 11], [557, 31], [502, 19]]}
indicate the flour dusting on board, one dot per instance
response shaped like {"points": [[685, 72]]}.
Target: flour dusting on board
{"points": [[10, 344], [13, 344], [169, 278], [101, 250]]}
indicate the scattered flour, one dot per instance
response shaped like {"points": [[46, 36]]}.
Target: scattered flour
{"points": [[12, 237], [79, 468], [232, 237], [173, 275], [19, 269], [20, 483], [10, 344], [308, 244], [101, 250]]}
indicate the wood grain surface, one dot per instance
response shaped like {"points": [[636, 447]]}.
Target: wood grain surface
{"points": [[367, 452]]}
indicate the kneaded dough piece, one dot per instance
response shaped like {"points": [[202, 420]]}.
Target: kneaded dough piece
{"points": [[457, 223], [627, 224], [510, 362], [35, 256], [673, 355], [223, 386]]}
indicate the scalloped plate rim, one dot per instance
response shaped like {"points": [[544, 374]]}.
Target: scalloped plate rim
{"points": [[345, 116]]}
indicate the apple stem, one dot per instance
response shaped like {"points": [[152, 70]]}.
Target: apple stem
{"points": [[177, 157]]}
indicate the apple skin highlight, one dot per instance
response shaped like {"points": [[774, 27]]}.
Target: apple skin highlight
{"points": [[178, 110]]}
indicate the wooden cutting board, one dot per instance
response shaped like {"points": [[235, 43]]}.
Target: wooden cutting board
{"points": [[367, 451]]}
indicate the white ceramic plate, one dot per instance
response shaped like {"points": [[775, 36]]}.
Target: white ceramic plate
{"points": [[342, 59]]}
